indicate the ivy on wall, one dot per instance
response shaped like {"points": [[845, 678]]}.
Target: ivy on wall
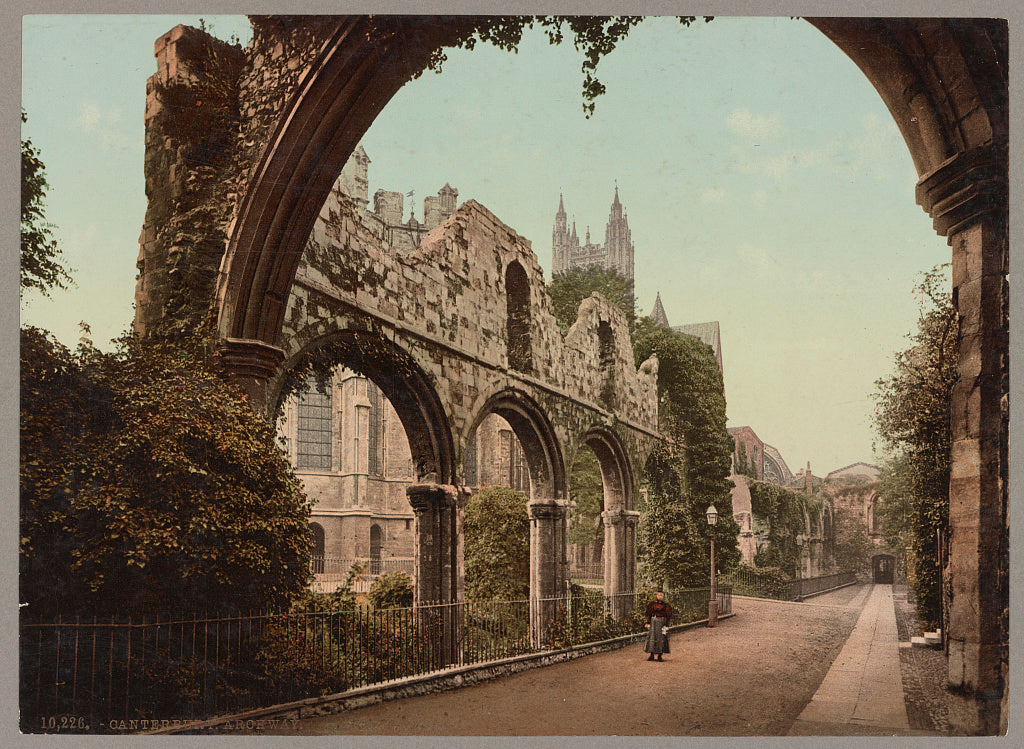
{"points": [[786, 513]]}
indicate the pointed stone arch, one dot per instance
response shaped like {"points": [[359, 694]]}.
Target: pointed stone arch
{"points": [[945, 83]]}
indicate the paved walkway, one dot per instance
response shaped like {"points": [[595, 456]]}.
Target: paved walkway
{"points": [[829, 666], [862, 693]]}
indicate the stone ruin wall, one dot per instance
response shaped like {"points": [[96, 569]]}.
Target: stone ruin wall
{"points": [[445, 304], [211, 109]]}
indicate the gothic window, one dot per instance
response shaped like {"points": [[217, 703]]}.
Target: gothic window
{"points": [[313, 438], [376, 543], [606, 350], [517, 291], [375, 432], [519, 475], [317, 531]]}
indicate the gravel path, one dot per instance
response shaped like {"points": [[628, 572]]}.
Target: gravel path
{"points": [[752, 675]]}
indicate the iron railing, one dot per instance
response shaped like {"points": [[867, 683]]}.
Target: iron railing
{"points": [[120, 674], [330, 568], [586, 570], [750, 582], [799, 589]]}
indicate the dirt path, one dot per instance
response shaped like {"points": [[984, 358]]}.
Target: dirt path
{"points": [[752, 675]]}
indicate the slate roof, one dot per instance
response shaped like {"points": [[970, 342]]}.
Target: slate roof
{"points": [[709, 332]]}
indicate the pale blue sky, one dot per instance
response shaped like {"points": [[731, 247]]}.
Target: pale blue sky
{"points": [[765, 183]]}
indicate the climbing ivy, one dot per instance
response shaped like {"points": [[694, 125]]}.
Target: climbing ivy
{"points": [[690, 470], [594, 36], [786, 513]]}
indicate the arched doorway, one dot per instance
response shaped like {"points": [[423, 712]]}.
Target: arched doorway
{"points": [[619, 519], [883, 569], [546, 503]]}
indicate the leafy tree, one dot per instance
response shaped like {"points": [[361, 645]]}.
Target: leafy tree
{"points": [[569, 289], [40, 256], [148, 483], [912, 415], [853, 547], [497, 545]]}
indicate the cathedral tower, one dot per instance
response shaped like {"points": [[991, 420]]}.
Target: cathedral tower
{"points": [[617, 251], [560, 240]]}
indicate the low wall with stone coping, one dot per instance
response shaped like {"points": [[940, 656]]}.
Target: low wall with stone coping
{"points": [[413, 686]]}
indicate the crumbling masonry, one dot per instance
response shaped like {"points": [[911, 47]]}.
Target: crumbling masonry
{"points": [[242, 148]]}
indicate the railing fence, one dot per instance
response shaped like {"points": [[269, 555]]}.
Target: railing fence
{"points": [[751, 582], [86, 676]]}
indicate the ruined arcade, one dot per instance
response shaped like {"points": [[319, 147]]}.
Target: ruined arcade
{"points": [[235, 199]]}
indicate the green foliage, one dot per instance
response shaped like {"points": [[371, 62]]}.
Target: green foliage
{"points": [[786, 513], [497, 545], [568, 289], [771, 582], [852, 545], [691, 408], [393, 591], [594, 36], [148, 483], [690, 470], [586, 620], [587, 491], [912, 414], [40, 256]]}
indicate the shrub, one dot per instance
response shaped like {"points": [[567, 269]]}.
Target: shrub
{"points": [[392, 591]]}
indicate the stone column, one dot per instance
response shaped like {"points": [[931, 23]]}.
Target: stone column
{"points": [[549, 565], [438, 556], [967, 199], [252, 364], [619, 559]]}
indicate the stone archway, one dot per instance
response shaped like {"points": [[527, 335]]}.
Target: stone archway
{"points": [[883, 569], [548, 506], [945, 84], [400, 380], [943, 80], [619, 518]]}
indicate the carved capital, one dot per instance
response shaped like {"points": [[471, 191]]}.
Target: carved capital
{"points": [[250, 358], [547, 509], [966, 188], [616, 517], [430, 497]]}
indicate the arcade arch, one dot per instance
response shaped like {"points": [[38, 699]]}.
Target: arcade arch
{"points": [[945, 83]]}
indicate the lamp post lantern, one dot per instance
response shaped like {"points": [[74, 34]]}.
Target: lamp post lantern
{"points": [[712, 515]]}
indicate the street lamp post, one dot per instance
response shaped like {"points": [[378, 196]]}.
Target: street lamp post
{"points": [[712, 515]]}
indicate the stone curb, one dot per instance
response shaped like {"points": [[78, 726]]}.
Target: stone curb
{"points": [[412, 686]]}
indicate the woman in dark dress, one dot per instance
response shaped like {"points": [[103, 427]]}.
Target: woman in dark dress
{"points": [[658, 615]]}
